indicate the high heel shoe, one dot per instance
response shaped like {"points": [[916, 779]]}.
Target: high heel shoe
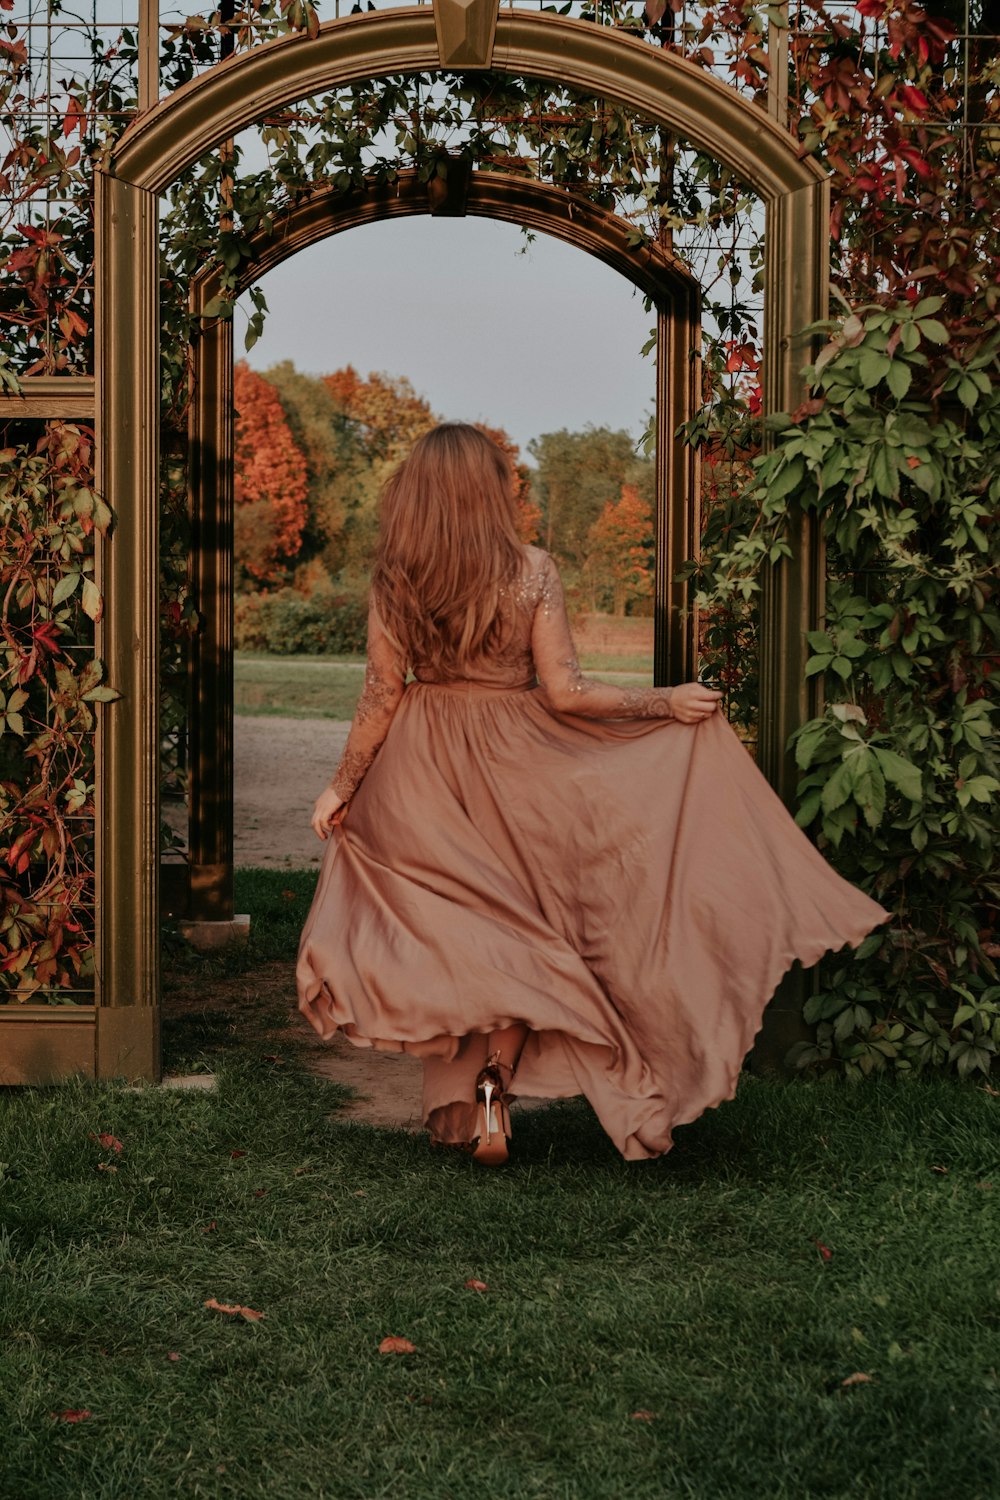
{"points": [[494, 1134]]}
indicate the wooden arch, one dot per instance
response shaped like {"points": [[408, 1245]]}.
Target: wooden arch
{"points": [[602, 61], [317, 216]]}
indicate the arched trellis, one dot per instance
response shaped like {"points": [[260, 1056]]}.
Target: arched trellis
{"points": [[658, 86], [316, 216]]}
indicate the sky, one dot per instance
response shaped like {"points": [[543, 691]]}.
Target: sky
{"points": [[531, 342]]}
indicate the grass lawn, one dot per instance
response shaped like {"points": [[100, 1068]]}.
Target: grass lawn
{"points": [[327, 687], [683, 1328]]}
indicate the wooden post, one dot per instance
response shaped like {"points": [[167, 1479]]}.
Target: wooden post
{"points": [[128, 769]]}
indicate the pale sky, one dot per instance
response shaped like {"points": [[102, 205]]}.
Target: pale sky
{"points": [[531, 342]]}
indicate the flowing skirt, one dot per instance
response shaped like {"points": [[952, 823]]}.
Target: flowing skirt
{"points": [[631, 890]]}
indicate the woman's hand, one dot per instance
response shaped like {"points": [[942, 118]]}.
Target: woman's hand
{"points": [[328, 804], [690, 702]]}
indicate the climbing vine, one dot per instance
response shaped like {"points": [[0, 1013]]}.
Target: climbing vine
{"points": [[893, 451]]}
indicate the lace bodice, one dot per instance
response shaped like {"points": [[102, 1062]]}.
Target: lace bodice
{"points": [[537, 644], [512, 663]]}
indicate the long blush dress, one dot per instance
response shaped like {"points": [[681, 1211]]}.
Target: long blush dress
{"points": [[561, 853]]}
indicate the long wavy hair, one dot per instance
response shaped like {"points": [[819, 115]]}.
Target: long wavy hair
{"points": [[447, 548]]}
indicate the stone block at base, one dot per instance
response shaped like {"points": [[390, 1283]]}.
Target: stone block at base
{"points": [[207, 936]]}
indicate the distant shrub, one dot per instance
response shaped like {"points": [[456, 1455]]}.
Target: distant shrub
{"points": [[286, 624]]}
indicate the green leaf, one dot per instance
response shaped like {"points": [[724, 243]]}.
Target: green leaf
{"points": [[931, 329], [968, 393], [789, 479], [807, 743], [898, 378], [902, 774], [64, 588], [873, 367], [101, 695], [838, 789], [92, 601]]}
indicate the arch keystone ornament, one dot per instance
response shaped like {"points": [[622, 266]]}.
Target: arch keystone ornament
{"points": [[214, 107], [465, 32]]}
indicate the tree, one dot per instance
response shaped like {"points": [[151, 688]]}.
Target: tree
{"points": [[578, 474], [336, 469], [270, 480], [388, 410], [529, 514], [620, 550]]}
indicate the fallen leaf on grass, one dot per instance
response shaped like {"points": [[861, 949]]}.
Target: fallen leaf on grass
{"points": [[301, 1171], [71, 1416], [986, 1186], [290, 895], [173, 1357], [993, 1093], [271, 1057], [106, 1166], [235, 1310], [476, 1286], [394, 1345], [260, 1192], [235, 1154], [207, 1228], [942, 1170], [109, 1142], [642, 1416], [858, 1378], [824, 1250]]}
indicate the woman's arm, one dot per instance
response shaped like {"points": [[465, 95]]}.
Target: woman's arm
{"points": [[380, 697], [569, 691]]}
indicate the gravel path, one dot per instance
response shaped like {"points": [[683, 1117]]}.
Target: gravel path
{"points": [[281, 767]]}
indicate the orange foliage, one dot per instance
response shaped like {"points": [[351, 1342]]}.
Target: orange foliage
{"points": [[388, 410], [270, 482], [619, 548]]}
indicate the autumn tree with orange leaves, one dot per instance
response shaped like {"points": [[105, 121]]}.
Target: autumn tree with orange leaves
{"points": [[270, 481], [620, 551]]}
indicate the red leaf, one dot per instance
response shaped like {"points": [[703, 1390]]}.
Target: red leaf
{"points": [[80, 1415], [173, 1357], [914, 99], [394, 1345], [74, 118], [642, 1416], [233, 1310], [207, 1228], [109, 1142], [824, 1250], [858, 1378], [234, 1154], [476, 1286]]}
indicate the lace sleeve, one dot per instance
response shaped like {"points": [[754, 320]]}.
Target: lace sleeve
{"points": [[559, 672], [380, 697]]}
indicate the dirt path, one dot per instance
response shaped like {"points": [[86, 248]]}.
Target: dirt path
{"points": [[281, 767]]}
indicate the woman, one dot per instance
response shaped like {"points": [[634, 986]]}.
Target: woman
{"points": [[533, 873]]}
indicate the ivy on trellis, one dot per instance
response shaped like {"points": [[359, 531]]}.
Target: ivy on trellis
{"points": [[894, 449]]}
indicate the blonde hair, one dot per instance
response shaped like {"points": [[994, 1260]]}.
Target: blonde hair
{"points": [[447, 548]]}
